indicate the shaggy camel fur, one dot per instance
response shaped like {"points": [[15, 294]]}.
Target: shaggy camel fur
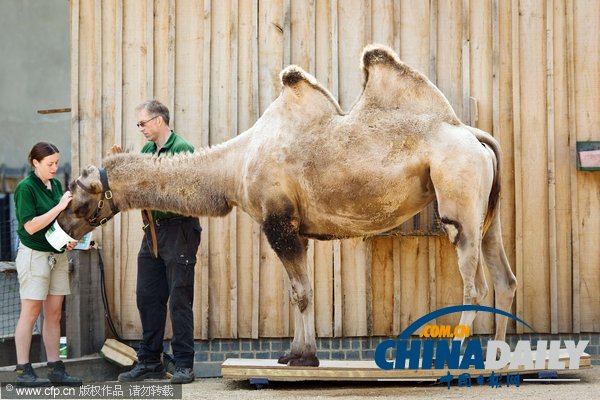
{"points": [[307, 170]]}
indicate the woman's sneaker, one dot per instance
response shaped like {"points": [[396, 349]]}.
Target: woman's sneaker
{"points": [[27, 377], [58, 376]]}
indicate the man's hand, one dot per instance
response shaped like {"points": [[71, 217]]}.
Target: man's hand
{"points": [[116, 149]]}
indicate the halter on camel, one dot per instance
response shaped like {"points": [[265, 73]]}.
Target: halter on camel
{"points": [[107, 195]]}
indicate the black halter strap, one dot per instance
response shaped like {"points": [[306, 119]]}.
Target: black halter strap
{"points": [[106, 195]]}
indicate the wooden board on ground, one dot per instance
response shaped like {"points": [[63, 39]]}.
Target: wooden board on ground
{"points": [[364, 370], [118, 353]]}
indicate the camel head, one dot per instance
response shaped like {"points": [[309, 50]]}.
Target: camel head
{"points": [[91, 206]]}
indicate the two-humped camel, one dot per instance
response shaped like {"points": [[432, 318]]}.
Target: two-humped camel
{"points": [[307, 170]]}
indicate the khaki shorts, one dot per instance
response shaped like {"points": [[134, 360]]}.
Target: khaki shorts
{"points": [[37, 277]]}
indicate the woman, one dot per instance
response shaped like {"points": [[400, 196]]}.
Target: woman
{"points": [[43, 272]]}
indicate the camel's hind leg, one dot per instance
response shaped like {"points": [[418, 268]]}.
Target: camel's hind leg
{"points": [[465, 234], [505, 282], [281, 230], [462, 195]]}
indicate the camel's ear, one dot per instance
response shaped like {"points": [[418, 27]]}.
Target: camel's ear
{"points": [[96, 187]]}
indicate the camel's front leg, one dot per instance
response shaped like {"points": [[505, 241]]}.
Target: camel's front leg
{"points": [[298, 342], [282, 232]]}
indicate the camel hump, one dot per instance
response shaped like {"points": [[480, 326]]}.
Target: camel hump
{"points": [[305, 87], [293, 74], [390, 83], [378, 54]]}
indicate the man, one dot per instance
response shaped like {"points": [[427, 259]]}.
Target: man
{"points": [[169, 274]]}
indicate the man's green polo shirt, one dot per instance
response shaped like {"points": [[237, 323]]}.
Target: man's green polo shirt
{"points": [[175, 144], [33, 198]]}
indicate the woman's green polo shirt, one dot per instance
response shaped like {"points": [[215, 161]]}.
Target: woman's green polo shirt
{"points": [[33, 198]]}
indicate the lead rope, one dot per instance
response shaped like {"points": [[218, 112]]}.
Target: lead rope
{"points": [[107, 314]]}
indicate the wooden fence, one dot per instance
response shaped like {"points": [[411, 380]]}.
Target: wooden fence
{"points": [[528, 71]]}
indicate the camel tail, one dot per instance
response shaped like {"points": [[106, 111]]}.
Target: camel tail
{"points": [[494, 198]]}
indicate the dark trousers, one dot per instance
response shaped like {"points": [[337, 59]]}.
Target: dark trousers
{"points": [[170, 277]]}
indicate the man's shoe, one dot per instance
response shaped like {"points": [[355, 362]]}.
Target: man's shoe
{"points": [[183, 375], [27, 377], [168, 363], [143, 370], [58, 375]]}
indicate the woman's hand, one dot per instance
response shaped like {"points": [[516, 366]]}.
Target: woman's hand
{"points": [[65, 200], [70, 245]]}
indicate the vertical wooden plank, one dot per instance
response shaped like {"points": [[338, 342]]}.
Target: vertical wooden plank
{"points": [[433, 40], [111, 134], [501, 122], [383, 286], [75, 113], [190, 109], [449, 53], [417, 34], [338, 312], [164, 50], [563, 167], [299, 26], [466, 61], [323, 250], [516, 72], [575, 243], [414, 278], [352, 16], [222, 96], [449, 287], [247, 115], [536, 279], [383, 23], [205, 45], [398, 306], [552, 250], [117, 221], [135, 90], [480, 83], [449, 75], [274, 304], [586, 26]]}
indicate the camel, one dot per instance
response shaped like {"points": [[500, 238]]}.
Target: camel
{"points": [[306, 169]]}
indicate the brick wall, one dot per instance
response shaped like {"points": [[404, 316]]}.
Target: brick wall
{"points": [[211, 353]]}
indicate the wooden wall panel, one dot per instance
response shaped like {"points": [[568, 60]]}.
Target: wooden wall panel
{"points": [[562, 167], [248, 232], [524, 70], [274, 308], [480, 116], [587, 103], [532, 65]]}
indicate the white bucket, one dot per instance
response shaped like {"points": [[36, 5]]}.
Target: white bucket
{"points": [[57, 237]]}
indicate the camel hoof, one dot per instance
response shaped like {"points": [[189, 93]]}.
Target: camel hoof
{"points": [[304, 361], [287, 358]]}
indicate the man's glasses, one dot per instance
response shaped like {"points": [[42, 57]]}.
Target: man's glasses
{"points": [[141, 124]]}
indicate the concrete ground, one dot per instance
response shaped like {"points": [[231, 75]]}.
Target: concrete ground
{"points": [[587, 388], [95, 369]]}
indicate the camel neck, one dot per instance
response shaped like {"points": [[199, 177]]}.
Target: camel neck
{"points": [[202, 183]]}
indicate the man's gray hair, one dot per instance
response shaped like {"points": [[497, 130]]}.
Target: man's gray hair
{"points": [[155, 107]]}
